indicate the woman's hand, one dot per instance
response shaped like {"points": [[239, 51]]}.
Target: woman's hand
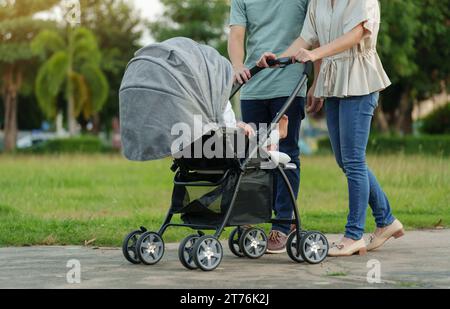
{"points": [[313, 104], [305, 55], [262, 62], [241, 74]]}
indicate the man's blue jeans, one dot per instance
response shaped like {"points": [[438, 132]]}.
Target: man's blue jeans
{"points": [[349, 121], [263, 112]]}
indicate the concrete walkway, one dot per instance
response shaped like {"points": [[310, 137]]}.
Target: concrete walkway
{"points": [[419, 260]]}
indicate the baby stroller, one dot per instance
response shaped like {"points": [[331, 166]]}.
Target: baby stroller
{"points": [[166, 84]]}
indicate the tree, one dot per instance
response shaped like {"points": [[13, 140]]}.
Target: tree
{"points": [[202, 21], [72, 67], [414, 46], [116, 25], [18, 26]]}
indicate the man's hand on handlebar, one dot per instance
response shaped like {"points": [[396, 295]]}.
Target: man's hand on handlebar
{"points": [[241, 74], [262, 62]]}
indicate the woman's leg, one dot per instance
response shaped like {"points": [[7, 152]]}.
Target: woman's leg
{"points": [[378, 201], [355, 116], [377, 198]]}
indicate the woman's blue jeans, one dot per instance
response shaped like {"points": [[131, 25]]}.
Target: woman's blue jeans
{"points": [[349, 120]]}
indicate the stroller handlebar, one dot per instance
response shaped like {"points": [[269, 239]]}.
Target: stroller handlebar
{"points": [[273, 63]]}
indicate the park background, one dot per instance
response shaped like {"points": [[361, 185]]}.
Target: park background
{"points": [[64, 181]]}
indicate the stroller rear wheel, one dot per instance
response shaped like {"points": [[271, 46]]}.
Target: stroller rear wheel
{"points": [[207, 253], [314, 247], [150, 248], [129, 247], [185, 251], [233, 242], [293, 247], [253, 243]]}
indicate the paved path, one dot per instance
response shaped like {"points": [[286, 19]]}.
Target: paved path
{"points": [[419, 260]]}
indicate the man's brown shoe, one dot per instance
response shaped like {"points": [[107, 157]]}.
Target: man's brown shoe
{"points": [[277, 242]]}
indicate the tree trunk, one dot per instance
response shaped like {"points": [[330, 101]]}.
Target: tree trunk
{"points": [[405, 121], [380, 119], [10, 99], [96, 124], [12, 80], [71, 121]]}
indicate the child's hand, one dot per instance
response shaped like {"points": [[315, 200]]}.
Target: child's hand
{"points": [[283, 127], [248, 130]]}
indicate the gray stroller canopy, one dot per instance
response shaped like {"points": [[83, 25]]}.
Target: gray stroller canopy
{"points": [[166, 84]]}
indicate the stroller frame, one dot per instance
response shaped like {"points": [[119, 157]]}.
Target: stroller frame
{"points": [[298, 241]]}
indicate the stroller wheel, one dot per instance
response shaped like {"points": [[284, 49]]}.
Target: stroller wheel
{"points": [[150, 248], [129, 247], [207, 253], [314, 247], [233, 242], [253, 243], [185, 251], [293, 246]]}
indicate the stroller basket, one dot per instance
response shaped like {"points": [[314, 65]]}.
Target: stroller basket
{"points": [[204, 199]]}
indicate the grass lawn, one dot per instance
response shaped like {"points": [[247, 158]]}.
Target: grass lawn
{"points": [[49, 200]]}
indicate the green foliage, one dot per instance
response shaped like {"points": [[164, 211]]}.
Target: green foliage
{"points": [[117, 26], [47, 43], [399, 27], [74, 62], [414, 44], [74, 145], [18, 27], [437, 122], [50, 79], [202, 21], [438, 145], [14, 9]]}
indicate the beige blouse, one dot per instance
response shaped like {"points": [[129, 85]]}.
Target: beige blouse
{"points": [[357, 71]]}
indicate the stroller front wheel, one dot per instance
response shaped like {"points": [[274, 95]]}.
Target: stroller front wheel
{"points": [[293, 247], [314, 247], [185, 252], [233, 242], [207, 253], [150, 248], [254, 243], [129, 247]]}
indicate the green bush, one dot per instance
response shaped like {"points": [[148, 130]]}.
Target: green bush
{"points": [[82, 144], [424, 144], [437, 122]]}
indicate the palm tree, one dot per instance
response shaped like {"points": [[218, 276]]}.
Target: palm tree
{"points": [[18, 26], [71, 67]]}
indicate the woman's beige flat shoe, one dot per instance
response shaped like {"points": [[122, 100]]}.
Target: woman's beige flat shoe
{"points": [[394, 230], [358, 247]]}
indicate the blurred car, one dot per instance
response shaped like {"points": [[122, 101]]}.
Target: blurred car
{"points": [[34, 139]]}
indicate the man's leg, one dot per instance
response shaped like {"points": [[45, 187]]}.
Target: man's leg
{"points": [[290, 146], [255, 112]]}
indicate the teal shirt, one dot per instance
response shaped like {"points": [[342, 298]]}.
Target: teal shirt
{"points": [[271, 26]]}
